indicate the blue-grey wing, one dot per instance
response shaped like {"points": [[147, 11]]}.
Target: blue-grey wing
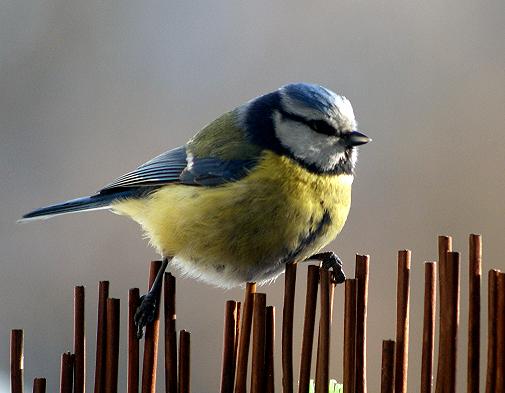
{"points": [[214, 171], [177, 166], [163, 169]]}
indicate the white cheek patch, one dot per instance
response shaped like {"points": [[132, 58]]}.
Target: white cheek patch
{"points": [[307, 145]]}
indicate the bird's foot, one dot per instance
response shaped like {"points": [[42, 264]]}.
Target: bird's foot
{"points": [[145, 313], [330, 260]]}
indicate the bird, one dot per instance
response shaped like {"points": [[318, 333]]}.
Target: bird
{"points": [[264, 185]]}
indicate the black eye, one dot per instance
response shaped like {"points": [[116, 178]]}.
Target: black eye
{"points": [[319, 126], [322, 127]]}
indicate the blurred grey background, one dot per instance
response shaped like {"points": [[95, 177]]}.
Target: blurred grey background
{"points": [[90, 89]]}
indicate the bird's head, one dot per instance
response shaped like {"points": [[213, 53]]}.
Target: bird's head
{"points": [[308, 123]]}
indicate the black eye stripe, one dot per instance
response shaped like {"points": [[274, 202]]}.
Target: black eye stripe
{"points": [[319, 126], [322, 127]]}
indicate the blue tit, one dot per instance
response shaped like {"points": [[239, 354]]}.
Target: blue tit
{"points": [[265, 184]]}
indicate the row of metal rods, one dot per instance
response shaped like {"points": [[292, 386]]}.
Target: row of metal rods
{"points": [[72, 366], [259, 319], [254, 318], [394, 353]]}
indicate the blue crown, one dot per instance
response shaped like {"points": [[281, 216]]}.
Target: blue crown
{"points": [[310, 95]]}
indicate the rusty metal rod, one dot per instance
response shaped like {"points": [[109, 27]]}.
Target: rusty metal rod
{"points": [[17, 361], [474, 274], [133, 343], [101, 334], [323, 350], [388, 366], [269, 349], [150, 360], [444, 245], [430, 301], [79, 340], [258, 344], [362, 267], [308, 328], [350, 316], [228, 360], [500, 334], [66, 372], [402, 321], [39, 385], [170, 334], [452, 311], [244, 339], [492, 330], [112, 347], [184, 362], [287, 328]]}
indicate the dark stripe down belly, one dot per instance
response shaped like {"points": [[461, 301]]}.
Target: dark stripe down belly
{"points": [[308, 239]]}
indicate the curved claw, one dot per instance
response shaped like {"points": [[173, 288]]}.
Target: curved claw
{"points": [[330, 260], [338, 276], [145, 313], [334, 263]]}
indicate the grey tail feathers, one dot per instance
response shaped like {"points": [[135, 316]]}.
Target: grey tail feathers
{"points": [[94, 202]]}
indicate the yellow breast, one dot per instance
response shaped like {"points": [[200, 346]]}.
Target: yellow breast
{"points": [[245, 230]]}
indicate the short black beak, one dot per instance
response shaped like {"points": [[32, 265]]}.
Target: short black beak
{"points": [[355, 138]]}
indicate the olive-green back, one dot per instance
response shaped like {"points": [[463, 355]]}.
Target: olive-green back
{"points": [[224, 138]]}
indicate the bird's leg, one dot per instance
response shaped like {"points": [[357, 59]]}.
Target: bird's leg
{"points": [[330, 260], [147, 308]]}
